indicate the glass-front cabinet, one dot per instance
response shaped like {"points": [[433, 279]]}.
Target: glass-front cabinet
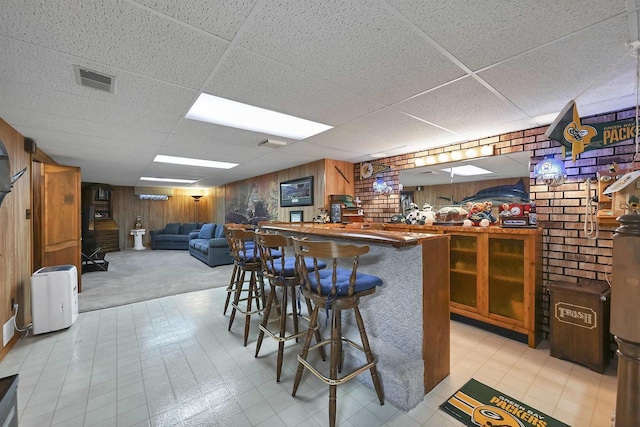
{"points": [[506, 277], [496, 278], [464, 271]]}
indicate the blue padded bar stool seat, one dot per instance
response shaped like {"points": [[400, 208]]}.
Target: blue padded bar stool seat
{"points": [[336, 289], [283, 275], [246, 259]]}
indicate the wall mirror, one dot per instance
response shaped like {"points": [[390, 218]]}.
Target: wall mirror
{"points": [[436, 185]]}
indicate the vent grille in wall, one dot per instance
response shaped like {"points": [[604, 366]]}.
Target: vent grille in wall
{"points": [[93, 79]]}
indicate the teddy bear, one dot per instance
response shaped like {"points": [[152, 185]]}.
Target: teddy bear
{"points": [[476, 215], [488, 209]]}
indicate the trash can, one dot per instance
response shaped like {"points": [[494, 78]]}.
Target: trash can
{"points": [[579, 321]]}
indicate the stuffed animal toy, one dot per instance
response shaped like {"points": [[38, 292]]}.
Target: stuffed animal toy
{"points": [[488, 209], [426, 215], [477, 215], [412, 216]]}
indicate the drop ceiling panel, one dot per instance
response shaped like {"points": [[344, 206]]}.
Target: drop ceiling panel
{"points": [[617, 85], [315, 151], [48, 69], [480, 33], [210, 133], [136, 41], [20, 96], [222, 18], [461, 106], [210, 149], [358, 46], [495, 129], [392, 125], [349, 142], [564, 74], [254, 79], [84, 128]]}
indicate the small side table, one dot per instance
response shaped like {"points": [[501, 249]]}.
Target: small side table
{"points": [[137, 238]]}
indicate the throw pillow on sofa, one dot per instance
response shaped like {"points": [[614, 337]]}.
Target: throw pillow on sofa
{"points": [[188, 227], [172, 228], [207, 230]]}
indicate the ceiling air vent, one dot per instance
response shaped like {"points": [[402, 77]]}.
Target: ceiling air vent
{"points": [[272, 143], [93, 79]]}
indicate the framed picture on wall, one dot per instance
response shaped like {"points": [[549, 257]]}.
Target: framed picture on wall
{"points": [[297, 192], [296, 216]]}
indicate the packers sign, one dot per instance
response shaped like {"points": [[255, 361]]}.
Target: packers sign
{"points": [[577, 138], [476, 404]]}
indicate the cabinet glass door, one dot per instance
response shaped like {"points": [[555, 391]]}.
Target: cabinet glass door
{"points": [[506, 278], [463, 270]]}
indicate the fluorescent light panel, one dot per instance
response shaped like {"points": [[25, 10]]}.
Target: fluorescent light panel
{"points": [[194, 162], [466, 170], [180, 181], [221, 111]]}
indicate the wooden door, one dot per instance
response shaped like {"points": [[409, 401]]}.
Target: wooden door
{"points": [[59, 219]]}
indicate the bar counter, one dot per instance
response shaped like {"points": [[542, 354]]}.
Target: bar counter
{"points": [[407, 319]]}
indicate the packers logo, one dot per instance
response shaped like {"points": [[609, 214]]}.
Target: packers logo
{"points": [[578, 135], [490, 416]]}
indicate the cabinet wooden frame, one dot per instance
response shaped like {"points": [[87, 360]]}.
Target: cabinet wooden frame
{"points": [[529, 278]]}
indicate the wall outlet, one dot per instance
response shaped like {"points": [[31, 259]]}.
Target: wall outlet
{"points": [[7, 332]]}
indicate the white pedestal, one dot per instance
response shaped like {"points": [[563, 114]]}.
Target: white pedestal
{"points": [[137, 238]]}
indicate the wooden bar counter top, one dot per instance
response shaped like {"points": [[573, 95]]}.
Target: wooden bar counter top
{"points": [[407, 319]]}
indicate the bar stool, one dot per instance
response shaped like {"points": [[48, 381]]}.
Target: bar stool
{"points": [[235, 275], [245, 259], [282, 274], [336, 289]]}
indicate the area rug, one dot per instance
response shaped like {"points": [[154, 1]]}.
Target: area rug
{"points": [[476, 404], [135, 276]]}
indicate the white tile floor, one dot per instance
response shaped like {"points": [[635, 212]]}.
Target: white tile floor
{"points": [[172, 362]]}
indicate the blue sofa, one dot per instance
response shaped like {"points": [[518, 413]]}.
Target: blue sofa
{"points": [[173, 236], [209, 245]]}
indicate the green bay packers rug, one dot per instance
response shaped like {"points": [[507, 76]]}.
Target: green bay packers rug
{"points": [[476, 404]]}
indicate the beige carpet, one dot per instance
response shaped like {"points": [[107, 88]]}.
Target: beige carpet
{"points": [[135, 276]]}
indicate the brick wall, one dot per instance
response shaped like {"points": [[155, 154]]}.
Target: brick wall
{"points": [[567, 254]]}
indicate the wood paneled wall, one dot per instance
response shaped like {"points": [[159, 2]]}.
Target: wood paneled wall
{"points": [[180, 207], [155, 214], [15, 243], [327, 181]]}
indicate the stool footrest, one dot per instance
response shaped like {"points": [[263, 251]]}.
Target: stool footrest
{"points": [[245, 312], [345, 378], [288, 337]]}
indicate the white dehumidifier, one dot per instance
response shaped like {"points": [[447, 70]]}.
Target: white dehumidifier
{"points": [[54, 298]]}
